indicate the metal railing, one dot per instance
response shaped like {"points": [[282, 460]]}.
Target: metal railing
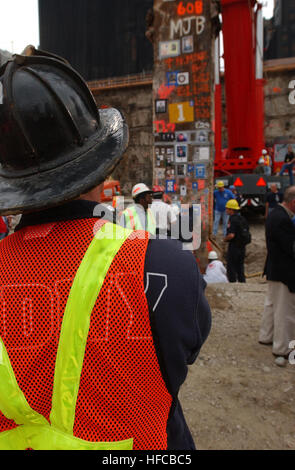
{"points": [[139, 79]]}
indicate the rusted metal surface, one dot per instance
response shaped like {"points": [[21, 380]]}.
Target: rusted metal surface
{"points": [[183, 105]]}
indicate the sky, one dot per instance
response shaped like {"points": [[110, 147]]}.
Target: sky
{"points": [[19, 23], [268, 8]]}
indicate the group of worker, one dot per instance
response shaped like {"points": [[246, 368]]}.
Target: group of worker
{"points": [[235, 230], [226, 208], [149, 212], [278, 319], [265, 164]]}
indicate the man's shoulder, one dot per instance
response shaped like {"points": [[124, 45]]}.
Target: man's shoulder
{"points": [[215, 264], [168, 254], [132, 209], [278, 212], [235, 221], [218, 263], [129, 207], [162, 206], [228, 192], [269, 195], [157, 204], [235, 218], [277, 216], [169, 245]]}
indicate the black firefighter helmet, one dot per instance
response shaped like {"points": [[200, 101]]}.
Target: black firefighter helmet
{"points": [[54, 143]]}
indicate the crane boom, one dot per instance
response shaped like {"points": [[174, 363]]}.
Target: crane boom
{"points": [[244, 85]]}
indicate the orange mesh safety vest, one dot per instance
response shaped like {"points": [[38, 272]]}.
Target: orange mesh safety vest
{"points": [[122, 394]]}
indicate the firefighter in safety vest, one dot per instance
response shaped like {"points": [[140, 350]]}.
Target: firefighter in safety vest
{"points": [[99, 323], [139, 216]]}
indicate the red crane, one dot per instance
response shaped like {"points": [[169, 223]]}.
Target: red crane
{"points": [[242, 27]]}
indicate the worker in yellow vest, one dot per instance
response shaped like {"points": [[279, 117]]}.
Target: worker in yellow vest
{"points": [[267, 162], [139, 216]]}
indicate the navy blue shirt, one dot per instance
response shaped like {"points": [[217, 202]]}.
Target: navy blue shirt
{"points": [[234, 226], [274, 199], [180, 316]]}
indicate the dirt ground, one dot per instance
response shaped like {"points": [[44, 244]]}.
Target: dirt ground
{"points": [[235, 396]]}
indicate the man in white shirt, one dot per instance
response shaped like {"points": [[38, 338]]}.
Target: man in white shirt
{"points": [[215, 271], [163, 213]]}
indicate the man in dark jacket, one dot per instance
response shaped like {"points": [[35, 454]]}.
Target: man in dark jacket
{"points": [[236, 249], [278, 322], [273, 198]]}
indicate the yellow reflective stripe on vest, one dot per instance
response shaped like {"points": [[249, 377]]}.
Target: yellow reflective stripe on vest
{"points": [[151, 222], [133, 222], [39, 437], [13, 403], [76, 321], [35, 431]]}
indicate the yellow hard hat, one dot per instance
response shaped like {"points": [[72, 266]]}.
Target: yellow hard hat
{"points": [[220, 184], [232, 204]]}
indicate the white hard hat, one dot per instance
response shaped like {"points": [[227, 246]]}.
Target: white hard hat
{"points": [[213, 255], [264, 152], [241, 157], [139, 189]]}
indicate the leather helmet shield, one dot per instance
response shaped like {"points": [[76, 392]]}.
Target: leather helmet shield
{"points": [[54, 143]]}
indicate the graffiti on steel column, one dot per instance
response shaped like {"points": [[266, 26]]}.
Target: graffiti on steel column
{"points": [[165, 91], [162, 126], [185, 26], [182, 101], [190, 8]]}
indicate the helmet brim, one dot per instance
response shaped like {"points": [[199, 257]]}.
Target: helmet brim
{"points": [[142, 193], [68, 181]]}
